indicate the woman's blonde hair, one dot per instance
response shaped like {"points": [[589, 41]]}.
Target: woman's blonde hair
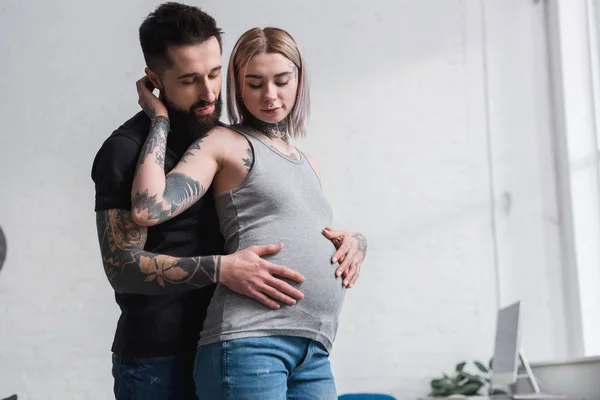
{"points": [[268, 40]]}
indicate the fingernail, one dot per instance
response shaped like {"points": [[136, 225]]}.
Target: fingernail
{"points": [[346, 283], [334, 260], [338, 273], [350, 287]]}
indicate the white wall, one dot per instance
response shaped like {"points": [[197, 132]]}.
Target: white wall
{"points": [[575, 60], [524, 181], [422, 120]]}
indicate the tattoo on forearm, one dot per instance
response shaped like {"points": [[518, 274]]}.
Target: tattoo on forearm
{"points": [[362, 243], [156, 141], [248, 162], [181, 192], [130, 269]]}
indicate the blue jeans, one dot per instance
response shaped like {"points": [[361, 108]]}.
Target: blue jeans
{"points": [[264, 368], [159, 378]]}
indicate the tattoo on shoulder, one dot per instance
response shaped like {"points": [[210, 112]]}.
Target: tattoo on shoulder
{"points": [[131, 269], [362, 243], [249, 162]]}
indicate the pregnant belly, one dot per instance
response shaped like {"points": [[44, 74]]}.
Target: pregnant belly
{"points": [[311, 257], [309, 254]]}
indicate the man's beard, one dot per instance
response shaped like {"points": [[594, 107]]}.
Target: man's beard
{"points": [[188, 123]]}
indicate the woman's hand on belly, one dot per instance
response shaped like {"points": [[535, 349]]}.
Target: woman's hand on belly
{"points": [[351, 252]]}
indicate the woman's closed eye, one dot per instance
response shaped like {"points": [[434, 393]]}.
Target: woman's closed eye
{"points": [[259, 85]]}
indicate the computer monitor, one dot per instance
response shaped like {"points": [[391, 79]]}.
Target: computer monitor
{"points": [[505, 364]]}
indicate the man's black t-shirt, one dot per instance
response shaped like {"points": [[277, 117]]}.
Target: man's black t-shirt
{"points": [[156, 325]]}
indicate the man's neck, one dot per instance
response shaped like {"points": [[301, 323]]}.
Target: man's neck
{"points": [[274, 131], [183, 132]]}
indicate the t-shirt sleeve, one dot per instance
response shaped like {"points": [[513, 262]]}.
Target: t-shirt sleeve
{"points": [[112, 172]]}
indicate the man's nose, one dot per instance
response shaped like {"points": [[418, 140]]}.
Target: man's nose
{"points": [[207, 94]]}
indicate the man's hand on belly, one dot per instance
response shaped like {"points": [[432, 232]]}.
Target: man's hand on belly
{"points": [[351, 252], [245, 272]]}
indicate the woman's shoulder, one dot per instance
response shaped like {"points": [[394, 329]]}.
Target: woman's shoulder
{"points": [[223, 129], [224, 135]]}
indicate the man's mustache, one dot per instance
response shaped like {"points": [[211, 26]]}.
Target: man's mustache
{"points": [[202, 104]]}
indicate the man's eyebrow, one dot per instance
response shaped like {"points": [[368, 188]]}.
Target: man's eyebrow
{"points": [[193, 74]]}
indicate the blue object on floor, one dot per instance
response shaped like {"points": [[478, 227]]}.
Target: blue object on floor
{"points": [[365, 396]]}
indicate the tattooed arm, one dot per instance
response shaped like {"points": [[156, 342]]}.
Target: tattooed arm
{"points": [[157, 198], [130, 269]]}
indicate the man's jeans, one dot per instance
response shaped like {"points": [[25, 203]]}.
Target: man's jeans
{"points": [[264, 368], [160, 378]]}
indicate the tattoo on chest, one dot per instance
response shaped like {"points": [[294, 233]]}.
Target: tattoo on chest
{"points": [[272, 131], [290, 155]]}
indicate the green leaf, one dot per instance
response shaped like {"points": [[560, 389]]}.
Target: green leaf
{"points": [[435, 383], [463, 382], [469, 389], [498, 391], [440, 392], [468, 375], [481, 367], [446, 383], [460, 366]]}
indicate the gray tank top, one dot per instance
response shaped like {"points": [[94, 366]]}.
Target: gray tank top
{"points": [[281, 200]]}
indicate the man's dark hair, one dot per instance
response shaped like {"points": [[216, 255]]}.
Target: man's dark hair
{"points": [[174, 24]]}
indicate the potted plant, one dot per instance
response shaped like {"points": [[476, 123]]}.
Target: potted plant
{"points": [[465, 383]]}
